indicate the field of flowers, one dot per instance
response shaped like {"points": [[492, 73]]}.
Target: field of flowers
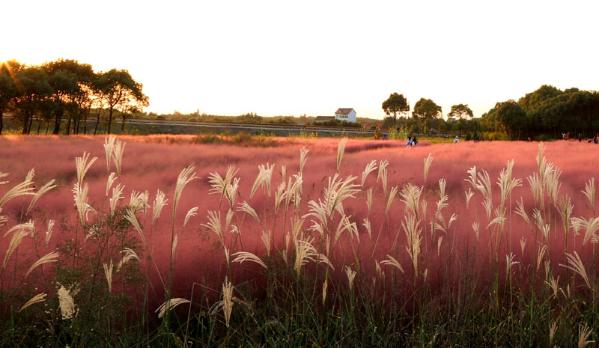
{"points": [[154, 241]]}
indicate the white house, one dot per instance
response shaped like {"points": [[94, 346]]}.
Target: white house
{"points": [[346, 114]]}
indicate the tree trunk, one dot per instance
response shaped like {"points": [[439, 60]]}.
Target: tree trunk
{"points": [[25, 123], [47, 126], [30, 124], [109, 119], [39, 125], [69, 124], [97, 123], [57, 121], [123, 125]]}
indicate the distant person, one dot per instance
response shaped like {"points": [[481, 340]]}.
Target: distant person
{"points": [[596, 139], [579, 137], [456, 139], [409, 143]]}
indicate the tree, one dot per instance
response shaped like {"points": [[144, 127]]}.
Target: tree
{"points": [[459, 112], [394, 104], [72, 83], [120, 92], [8, 88], [511, 117], [33, 89], [424, 110]]}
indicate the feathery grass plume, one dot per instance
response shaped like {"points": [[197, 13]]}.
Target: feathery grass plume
{"points": [[28, 227], [337, 191], [551, 181], [340, 152], [590, 192], [541, 252], [390, 198], [391, 261], [110, 181], [190, 213], [552, 331], [48, 258], [442, 225], [509, 263], [410, 196], [109, 144], [380, 274], [66, 302], [325, 286], [303, 158], [499, 219], [565, 208], [83, 164], [169, 305], [186, 176], [591, 227], [522, 245], [41, 297], [541, 161], [469, 193], [553, 284], [480, 181], [345, 225], [368, 227], [130, 216], [263, 179], [369, 199], [159, 202], [382, 174], [584, 333], [231, 192], [24, 188], [283, 172], [351, 276], [544, 228], [427, 165], [305, 253], [138, 201], [108, 274], [411, 227], [117, 194], [370, 167], [537, 189], [297, 224], [42, 191], [214, 224], [575, 264], [3, 219], [242, 256], [14, 243], [521, 211], [506, 183], [128, 255], [227, 301], [49, 231], [80, 197], [3, 175], [266, 240], [219, 184], [117, 155], [246, 208], [476, 229]]}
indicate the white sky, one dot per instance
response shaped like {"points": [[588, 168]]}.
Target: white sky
{"points": [[310, 57]]}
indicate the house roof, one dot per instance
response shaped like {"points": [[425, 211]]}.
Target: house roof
{"points": [[343, 111]]}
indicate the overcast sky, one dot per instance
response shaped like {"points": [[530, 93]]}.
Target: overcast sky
{"points": [[310, 57]]}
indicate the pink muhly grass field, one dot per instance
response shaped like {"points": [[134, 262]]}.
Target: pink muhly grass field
{"points": [[150, 165]]}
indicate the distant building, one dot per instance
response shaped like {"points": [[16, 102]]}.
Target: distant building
{"points": [[346, 114]]}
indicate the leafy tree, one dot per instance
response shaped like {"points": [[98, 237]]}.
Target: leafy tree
{"points": [[120, 92], [396, 103], [511, 117], [425, 110], [459, 112], [8, 88], [33, 89]]}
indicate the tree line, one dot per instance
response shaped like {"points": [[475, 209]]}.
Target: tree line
{"points": [[62, 94], [547, 112]]}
